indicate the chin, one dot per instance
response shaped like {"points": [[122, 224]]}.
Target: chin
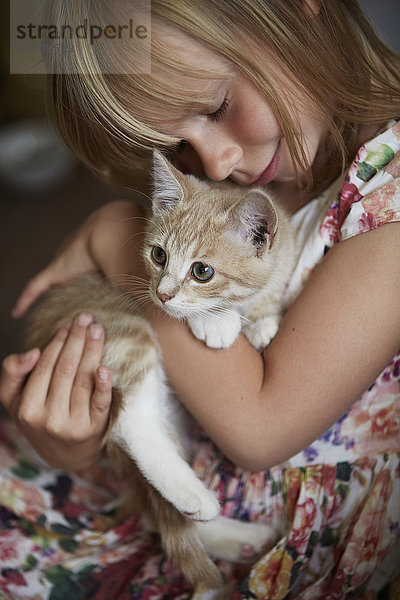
{"points": [[177, 313]]}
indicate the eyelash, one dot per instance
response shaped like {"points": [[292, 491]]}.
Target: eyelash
{"points": [[220, 112]]}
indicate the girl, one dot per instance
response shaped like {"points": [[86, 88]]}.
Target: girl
{"points": [[301, 96]]}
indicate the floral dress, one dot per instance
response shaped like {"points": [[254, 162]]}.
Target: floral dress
{"points": [[339, 497]]}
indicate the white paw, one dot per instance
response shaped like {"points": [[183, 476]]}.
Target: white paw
{"points": [[262, 331], [195, 501], [218, 330], [237, 541]]}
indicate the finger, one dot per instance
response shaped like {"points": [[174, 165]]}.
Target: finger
{"points": [[84, 382], [31, 292], [14, 371], [101, 398], [36, 389], [67, 364]]}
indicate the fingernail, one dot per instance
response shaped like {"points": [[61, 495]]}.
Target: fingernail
{"points": [[103, 374], [27, 355], [95, 331], [85, 319]]}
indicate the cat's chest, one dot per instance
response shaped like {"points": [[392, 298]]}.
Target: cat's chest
{"points": [[261, 303]]}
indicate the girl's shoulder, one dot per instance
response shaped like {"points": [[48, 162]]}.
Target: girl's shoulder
{"points": [[367, 197], [370, 193]]}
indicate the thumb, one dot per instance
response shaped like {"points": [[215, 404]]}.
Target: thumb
{"points": [[13, 374], [32, 290]]}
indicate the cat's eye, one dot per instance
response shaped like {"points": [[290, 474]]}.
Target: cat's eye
{"points": [[159, 255], [202, 272]]}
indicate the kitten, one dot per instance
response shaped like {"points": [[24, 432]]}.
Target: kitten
{"points": [[218, 255], [219, 260]]}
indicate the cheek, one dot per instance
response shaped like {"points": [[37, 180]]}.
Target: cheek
{"points": [[219, 291], [154, 278], [312, 127], [286, 170], [196, 294], [317, 133], [254, 120]]}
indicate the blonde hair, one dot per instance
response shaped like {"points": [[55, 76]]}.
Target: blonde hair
{"points": [[333, 55]]}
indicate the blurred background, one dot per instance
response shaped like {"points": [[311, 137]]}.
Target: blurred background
{"points": [[44, 193]]}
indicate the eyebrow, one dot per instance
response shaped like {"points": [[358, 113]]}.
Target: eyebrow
{"points": [[214, 97]]}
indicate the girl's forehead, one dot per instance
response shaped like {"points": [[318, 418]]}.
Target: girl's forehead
{"points": [[178, 55], [186, 77], [188, 48]]}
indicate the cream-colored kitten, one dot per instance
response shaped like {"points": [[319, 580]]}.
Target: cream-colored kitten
{"points": [[221, 258], [218, 255]]}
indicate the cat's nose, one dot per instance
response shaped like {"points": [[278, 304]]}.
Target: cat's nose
{"points": [[163, 297]]}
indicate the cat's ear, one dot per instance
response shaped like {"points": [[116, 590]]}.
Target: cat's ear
{"points": [[257, 221], [167, 191]]}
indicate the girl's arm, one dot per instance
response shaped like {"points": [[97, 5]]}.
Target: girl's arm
{"points": [[334, 341], [102, 242]]}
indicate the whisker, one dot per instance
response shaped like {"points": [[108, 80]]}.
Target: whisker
{"points": [[134, 304], [133, 280]]}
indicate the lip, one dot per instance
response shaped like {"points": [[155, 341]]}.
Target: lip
{"points": [[272, 168]]}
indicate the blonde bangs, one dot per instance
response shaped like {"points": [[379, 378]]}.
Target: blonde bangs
{"points": [[110, 120], [334, 58]]}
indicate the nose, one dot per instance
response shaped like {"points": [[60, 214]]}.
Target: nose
{"points": [[163, 297], [219, 156]]}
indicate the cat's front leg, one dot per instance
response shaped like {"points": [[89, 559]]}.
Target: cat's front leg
{"points": [[261, 332], [216, 329], [142, 431]]}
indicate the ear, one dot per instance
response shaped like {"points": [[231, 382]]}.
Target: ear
{"points": [[256, 220], [167, 191]]}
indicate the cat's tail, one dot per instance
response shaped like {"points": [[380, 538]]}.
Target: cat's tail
{"points": [[182, 543], [178, 532]]}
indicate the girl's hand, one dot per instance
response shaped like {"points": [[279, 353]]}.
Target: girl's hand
{"points": [[98, 244], [60, 398]]}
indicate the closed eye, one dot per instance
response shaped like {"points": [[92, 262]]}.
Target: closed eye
{"points": [[220, 112]]}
